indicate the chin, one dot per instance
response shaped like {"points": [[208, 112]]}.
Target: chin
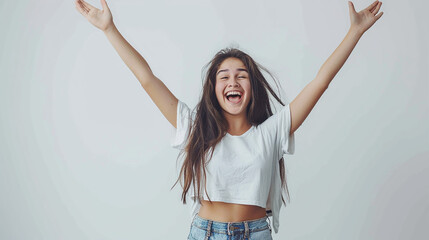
{"points": [[240, 110]]}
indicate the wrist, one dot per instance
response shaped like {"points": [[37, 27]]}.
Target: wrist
{"points": [[355, 32], [109, 29]]}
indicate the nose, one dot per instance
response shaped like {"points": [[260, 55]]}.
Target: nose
{"points": [[234, 83]]}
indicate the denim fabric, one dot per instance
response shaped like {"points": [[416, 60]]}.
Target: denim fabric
{"points": [[204, 229]]}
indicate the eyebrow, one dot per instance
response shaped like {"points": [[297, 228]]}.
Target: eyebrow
{"points": [[226, 70]]}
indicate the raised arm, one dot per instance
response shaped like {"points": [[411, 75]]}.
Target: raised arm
{"points": [[156, 89], [302, 105]]}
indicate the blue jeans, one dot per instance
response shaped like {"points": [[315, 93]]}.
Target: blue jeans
{"points": [[205, 229]]}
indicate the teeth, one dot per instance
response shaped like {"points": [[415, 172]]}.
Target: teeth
{"points": [[233, 93]]}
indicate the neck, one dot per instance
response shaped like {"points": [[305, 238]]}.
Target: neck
{"points": [[237, 124]]}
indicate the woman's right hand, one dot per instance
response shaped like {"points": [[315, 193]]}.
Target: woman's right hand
{"points": [[102, 19]]}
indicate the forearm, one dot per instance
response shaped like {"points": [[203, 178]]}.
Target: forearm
{"points": [[135, 62], [337, 59]]}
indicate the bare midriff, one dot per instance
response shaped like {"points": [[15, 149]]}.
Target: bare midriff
{"points": [[230, 212]]}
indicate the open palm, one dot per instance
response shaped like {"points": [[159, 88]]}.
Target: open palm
{"points": [[364, 19], [101, 19]]}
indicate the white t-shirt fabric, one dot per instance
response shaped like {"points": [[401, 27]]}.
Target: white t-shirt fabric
{"points": [[244, 169]]}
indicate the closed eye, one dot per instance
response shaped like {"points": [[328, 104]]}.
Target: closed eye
{"points": [[238, 77]]}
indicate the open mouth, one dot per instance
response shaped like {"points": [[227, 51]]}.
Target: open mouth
{"points": [[234, 98]]}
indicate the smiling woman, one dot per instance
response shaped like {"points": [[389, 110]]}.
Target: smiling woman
{"points": [[233, 171], [233, 92], [229, 175]]}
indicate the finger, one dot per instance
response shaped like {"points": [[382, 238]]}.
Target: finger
{"points": [[104, 4], [375, 7], [351, 7], [81, 8], [371, 6], [375, 11], [88, 6], [378, 16]]}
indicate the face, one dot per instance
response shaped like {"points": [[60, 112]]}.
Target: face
{"points": [[233, 75]]}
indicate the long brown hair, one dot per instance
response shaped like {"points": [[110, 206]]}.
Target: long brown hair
{"points": [[209, 126]]}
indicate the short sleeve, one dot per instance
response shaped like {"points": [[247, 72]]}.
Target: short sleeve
{"points": [[287, 140], [277, 128], [180, 134]]}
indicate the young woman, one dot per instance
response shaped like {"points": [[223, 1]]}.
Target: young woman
{"points": [[233, 144]]}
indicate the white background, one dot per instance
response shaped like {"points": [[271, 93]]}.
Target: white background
{"points": [[85, 154]]}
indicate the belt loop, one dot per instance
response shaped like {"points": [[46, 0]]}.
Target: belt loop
{"points": [[269, 223], [246, 230], [228, 228], [208, 229]]}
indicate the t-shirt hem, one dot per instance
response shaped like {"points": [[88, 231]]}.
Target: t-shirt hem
{"points": [[235, 200]]}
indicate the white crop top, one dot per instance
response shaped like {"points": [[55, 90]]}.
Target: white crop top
{"points": [[244, 169]]}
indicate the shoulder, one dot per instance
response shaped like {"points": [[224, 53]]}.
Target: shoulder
{"points": [[273, 121]]}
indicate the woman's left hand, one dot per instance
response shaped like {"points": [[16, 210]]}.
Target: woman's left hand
{"points": [[363, 20]]}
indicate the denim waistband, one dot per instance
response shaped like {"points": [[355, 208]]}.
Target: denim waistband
{"points": [[231, 228]]}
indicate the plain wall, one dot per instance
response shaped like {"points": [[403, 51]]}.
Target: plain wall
{"points": [[85, 154]]}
